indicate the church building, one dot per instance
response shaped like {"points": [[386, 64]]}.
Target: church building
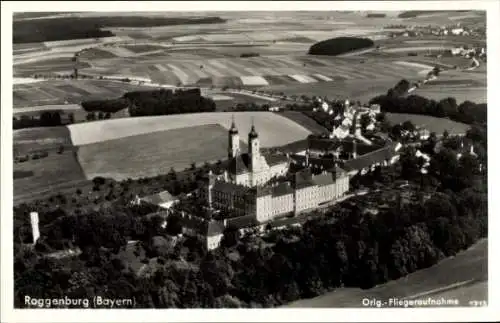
{"points": [[260, 185]]}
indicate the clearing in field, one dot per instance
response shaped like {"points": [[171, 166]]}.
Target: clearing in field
{"points": [[274, 130], [154, 153], [433, 124]]}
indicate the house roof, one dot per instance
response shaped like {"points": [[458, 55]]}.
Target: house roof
{"points": [[230, 188], [159, 198], [326, 163], [242, 222], [324, 179], [241, 163], [303, 178], [203, 227], [371, 158], [327, 144], [275, 159], [214, 228]]}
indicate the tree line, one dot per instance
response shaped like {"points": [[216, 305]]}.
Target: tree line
{"points": [[397, 101], [154, 102]]}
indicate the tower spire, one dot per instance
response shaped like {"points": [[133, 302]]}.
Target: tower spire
{"points": [[233, 129], [253, 132]]}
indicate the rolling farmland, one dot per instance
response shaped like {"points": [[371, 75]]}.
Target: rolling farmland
{"points": [[68, 92]]}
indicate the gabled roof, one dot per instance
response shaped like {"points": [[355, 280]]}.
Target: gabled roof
{"points": [[239, 164], [159, 198], [303, 178], [326, 163], [367, 160], [214, 228], [327, 144], [323, 179], [275, 159], [230, 187], [242, 222]]}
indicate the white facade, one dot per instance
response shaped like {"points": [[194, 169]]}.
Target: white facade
{"points": [[34, 227], [213, 241]]}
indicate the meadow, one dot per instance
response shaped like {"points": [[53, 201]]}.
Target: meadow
{"points": [[270, 126], [49, 174], [154, 153], [35, 139], [433, 124], [304, 121]]}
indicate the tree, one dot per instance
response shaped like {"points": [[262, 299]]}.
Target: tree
{"points": [[365, 121], [408, 126], [174, 225]]}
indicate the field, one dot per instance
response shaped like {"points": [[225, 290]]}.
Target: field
{"points": [[362, 90], [34, 139], [467, 85], [48, 174], [470, 265], [437, 125], [154, 153], [68, 92], [270, 126], [226, 101], [304, 121], [149, 146], [208, 56]]}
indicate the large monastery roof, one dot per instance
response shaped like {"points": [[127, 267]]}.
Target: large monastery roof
{"points": [[241, 163]]}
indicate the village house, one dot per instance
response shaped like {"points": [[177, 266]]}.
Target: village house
{"points": [[163, 199]]}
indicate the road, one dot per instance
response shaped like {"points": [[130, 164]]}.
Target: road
{"points": [[463, 277]]}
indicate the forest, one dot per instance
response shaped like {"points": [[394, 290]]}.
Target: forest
{"points": [[339, 45]]}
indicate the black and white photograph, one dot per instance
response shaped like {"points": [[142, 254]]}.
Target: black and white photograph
{"points": [[329, 156]]}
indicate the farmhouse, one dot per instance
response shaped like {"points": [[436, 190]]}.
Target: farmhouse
{"points": [[262, 187]]}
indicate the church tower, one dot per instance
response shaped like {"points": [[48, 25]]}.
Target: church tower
{"points": [[253, 148], [234, 141]]}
